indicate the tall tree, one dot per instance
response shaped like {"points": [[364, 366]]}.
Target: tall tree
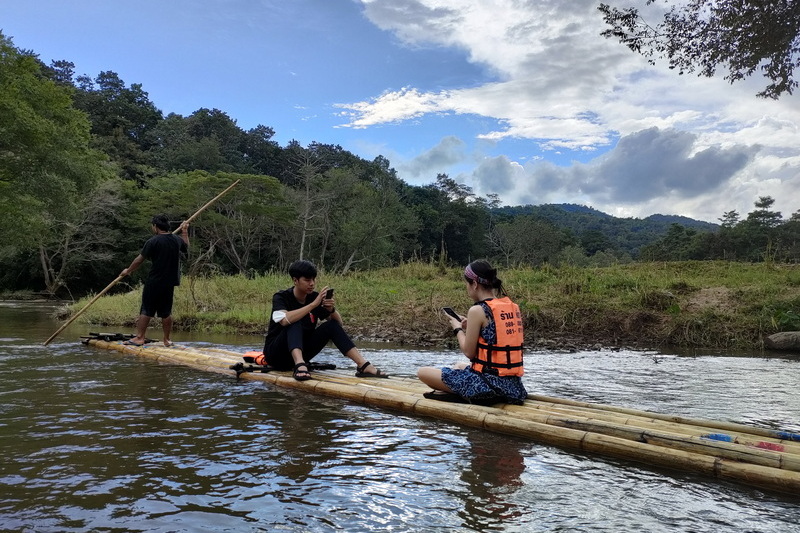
{"points": [[760, 230], [115, 108], [763, 216], [369, 225], [679, 244], [263, 155], [742, 36], [312, 203], [47, 167], [121, 118], [209, 140], [729, 219], [243, 224], [217, 128], [78, 246], [529, 240]]}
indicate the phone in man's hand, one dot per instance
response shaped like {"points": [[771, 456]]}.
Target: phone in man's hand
{"points": [[329, 294], [449, 312]]}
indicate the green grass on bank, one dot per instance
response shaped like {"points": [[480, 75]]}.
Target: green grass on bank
{"points": [[688, 304]]}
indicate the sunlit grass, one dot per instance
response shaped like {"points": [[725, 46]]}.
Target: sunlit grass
{"points": [[701, 304]]}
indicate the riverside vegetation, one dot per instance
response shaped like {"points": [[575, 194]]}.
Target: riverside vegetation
{"points": [[86, 162], [690, 304]]}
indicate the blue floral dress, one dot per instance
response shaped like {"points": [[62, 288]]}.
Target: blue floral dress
{"points": [[477, 387]]}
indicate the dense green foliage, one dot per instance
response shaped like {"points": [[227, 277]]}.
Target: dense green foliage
{"points": [[85, 163], [703, 35]]}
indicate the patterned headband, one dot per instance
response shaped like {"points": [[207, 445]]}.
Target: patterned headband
{"points": [[470, 274]]}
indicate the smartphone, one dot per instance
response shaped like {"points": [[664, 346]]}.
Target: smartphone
{"points": [[449, 311], [329, 294]]}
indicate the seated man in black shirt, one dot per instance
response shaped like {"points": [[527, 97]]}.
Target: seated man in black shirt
{"points": [[296, 334]]}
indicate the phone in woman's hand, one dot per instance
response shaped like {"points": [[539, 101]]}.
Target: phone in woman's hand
{"points": [[449, 312]]}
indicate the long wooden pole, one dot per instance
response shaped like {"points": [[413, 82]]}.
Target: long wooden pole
{"points": [[217, 197], [101, 293]]}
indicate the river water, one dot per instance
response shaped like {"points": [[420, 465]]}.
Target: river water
{"points": [[91, 440]]}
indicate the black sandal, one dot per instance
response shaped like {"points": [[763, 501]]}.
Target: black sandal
{"points": [[361, 374], [296, 372], [444, 396]]}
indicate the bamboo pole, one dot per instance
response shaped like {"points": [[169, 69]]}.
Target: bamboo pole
{"points": [[101, 293], [217, 197], [566, 429], [76, 315], [716, 424], [399, 394], [740, 438]]}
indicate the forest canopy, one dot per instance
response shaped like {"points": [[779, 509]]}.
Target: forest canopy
{"points": [[86, 161]]}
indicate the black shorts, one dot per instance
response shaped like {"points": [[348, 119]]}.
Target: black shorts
{"points": [[157, 300]]}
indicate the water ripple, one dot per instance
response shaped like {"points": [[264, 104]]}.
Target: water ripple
{"points": [[98, 441]]}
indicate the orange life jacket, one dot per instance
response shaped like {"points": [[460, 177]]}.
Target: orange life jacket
{"points": [[255, 357], [503, 358]]}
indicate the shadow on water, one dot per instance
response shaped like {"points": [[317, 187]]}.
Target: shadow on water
{"points": [[94, 441]]}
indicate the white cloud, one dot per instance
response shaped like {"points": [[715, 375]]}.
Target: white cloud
{"points": [[393, 106], [684, 142]]}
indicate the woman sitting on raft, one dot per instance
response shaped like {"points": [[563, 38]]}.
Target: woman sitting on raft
{"points": [[491, 338]]}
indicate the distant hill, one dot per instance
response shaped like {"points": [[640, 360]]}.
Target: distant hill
{"points": [[624, 234], [700, 225]]}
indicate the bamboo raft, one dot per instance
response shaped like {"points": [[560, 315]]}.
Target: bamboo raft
{"points": [[760, 457]]}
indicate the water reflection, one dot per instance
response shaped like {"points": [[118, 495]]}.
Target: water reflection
{"points": [[492, 478], [92, 440]]}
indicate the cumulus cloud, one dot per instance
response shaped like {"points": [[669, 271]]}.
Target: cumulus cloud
{"points": [[547, 57], [683, 141], [643, 169], [653, 163], [497, 175], [449, 151]]}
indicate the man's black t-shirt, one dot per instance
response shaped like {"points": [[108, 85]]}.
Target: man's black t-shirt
{"points": [[285, 301], [165, 251]]}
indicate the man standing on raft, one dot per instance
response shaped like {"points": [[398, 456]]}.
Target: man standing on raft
{"points": [[165, 251], [295, 334]]}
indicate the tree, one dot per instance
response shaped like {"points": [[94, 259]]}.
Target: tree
{"points": [[593, 241], [679, 244], [121, 116], [530, 240], [729, 219], [702, 35], [209, 140], [47, 168], [312, 203], [261, 153], [762, 216], [79, 245], [369, 224], [760, 231], [115, 108], [240, 226]]}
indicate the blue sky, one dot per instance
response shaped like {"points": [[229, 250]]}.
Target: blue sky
{"points": [[522, 99]]}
